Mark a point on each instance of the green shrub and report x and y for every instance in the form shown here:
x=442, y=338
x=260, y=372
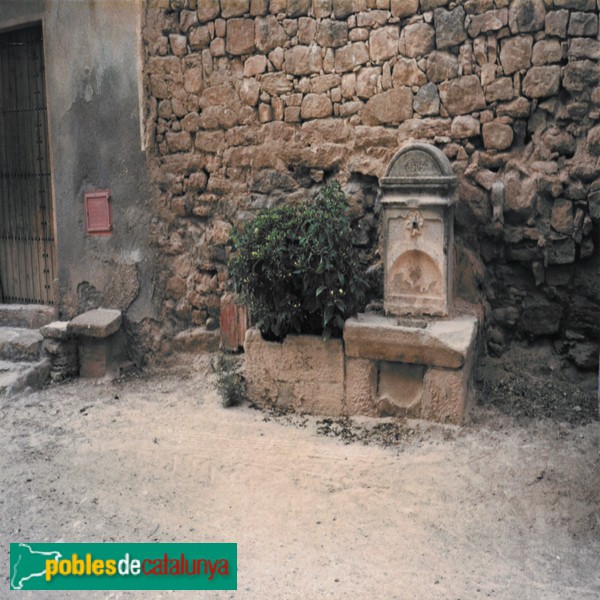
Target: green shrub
x=296, y=267
x=230, y=382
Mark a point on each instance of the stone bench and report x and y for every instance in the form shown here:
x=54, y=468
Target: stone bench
x=100, y=342
x=60, y=345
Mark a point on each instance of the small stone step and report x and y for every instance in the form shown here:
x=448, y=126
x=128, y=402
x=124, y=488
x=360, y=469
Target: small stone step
x=16, y=376
x=31, y=316
x=19, y=344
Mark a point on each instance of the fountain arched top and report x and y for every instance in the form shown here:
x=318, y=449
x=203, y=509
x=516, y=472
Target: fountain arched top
x=419, y=166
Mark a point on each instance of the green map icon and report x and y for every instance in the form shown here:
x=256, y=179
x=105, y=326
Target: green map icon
x=27, y=564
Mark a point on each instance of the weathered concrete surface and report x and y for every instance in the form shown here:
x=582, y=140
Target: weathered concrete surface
x=304, y=372
x=442, y=343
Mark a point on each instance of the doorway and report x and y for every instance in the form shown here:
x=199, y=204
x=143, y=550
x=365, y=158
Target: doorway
x=27, y=248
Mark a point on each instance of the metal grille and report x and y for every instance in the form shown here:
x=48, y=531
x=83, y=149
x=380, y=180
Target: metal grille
x=27, y=256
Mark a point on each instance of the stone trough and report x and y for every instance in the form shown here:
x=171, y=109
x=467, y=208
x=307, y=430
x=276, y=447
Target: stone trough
x=416, y=359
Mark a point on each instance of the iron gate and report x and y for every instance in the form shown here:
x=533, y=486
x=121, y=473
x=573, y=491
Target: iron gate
x=27, y=257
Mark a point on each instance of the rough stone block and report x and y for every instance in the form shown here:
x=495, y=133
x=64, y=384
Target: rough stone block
x=441, y=66
x=584, y=48
x=298, y=8
x=464, y=126
x=492, y=20
x=557, y=22
x=366, y=82
x=587, y=5
x=361, y=387
x=342, y=8
x=350, y=56
x=303, y=372
x=316, y=106
x=240, y=36
x=449, y=27
x=332, y=33
x=407, y=72
x=463, y=95
x=583, y=24
x=383, y=43
x=322, y=8
x=96, y=357
x=269, y=34
x=389, y=108
x=546, y=51
x=417, y=40
x=303, y=60
x=515, y=53
x=208, y=10
x=500, y=89
x=578, y=75
x=234, y=8
x=526, y=15
x=276, y=84
x=427, y=100
x=448, y=394
x=497, y=136
x=404, y=8
x=541, y=82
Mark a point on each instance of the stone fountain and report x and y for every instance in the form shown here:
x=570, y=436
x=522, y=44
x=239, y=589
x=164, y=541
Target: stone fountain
x=416, y=359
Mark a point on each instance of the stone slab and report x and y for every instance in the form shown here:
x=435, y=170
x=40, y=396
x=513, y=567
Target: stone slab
x=57, y=330
x=443, y=343
x=304, y=372
x=97, y=323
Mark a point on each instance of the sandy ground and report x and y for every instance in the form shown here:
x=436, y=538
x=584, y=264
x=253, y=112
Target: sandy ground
x=499, y=509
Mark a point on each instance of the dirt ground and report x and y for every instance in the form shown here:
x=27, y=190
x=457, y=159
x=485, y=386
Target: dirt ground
x=503, y=508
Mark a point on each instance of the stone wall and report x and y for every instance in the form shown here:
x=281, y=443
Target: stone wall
x=253, y=102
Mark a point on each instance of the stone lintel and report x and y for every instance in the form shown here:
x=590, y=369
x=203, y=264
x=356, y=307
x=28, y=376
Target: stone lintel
x=443, y=343
x=97, y=323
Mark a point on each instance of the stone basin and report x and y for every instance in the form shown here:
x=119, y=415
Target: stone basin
x=442, y=343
